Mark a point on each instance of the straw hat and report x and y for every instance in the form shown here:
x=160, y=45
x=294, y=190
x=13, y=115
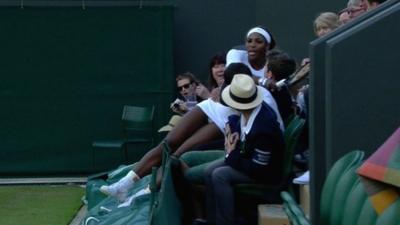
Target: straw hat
x=242, y=93
x=171, y=124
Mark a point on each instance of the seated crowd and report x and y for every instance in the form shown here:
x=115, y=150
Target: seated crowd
x=243, y=111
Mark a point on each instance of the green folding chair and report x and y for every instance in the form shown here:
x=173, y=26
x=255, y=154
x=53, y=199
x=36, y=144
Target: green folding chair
x=337, y=188
x=137, y=128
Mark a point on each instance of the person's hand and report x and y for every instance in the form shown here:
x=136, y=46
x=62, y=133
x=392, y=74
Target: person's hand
x=175, y=108
x=231, y=139
x=202, y=91
x=305, y=61
x=183, y=107
x=230, y=142
x=215, y=94
x=303, y=88
x=179, y=107
x=271, y=85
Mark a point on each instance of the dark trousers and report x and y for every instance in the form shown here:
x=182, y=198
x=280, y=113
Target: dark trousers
x=220, y=201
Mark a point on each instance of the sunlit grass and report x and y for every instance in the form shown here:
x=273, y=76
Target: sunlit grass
x=39, y=204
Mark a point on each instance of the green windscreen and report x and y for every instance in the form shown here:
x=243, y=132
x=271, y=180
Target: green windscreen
x=66, y=73
x=354, y=91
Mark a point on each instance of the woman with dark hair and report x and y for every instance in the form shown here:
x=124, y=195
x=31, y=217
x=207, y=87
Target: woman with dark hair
x=204, y=123
x=258, y=42
x=216, y=70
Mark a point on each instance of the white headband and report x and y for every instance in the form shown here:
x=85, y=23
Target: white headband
x=261, y=31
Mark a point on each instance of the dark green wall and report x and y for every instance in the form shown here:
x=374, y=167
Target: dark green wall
x=208, y=26
x=363, y=85
x=354, y=91
x=66, y=73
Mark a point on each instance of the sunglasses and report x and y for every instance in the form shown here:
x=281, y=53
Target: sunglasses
x=186, y=86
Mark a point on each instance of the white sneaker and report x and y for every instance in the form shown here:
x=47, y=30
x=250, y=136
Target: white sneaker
x=119, y=189
x=129, y=200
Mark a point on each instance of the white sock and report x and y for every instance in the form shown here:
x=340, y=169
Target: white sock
x=131, y=176
x=121, y=188
x=129, y=179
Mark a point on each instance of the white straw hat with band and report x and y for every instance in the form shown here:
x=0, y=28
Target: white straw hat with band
x=242, y=93
x=171, y=124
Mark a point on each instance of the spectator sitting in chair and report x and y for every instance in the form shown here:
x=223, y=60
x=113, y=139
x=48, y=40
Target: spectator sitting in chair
x=191, y=92
x=254, y=149
x=279, y=67
x=193, y=129
x=372, y=4
x=258, y=42
x=325, y=23
x=356, y=8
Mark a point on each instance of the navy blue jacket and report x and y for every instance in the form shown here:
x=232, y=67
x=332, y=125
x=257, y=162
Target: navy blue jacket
x=260, y=156
x=284, y=101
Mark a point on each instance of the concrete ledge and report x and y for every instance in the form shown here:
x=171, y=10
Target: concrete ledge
x=79, y=216
x=47, y=180
x=272, y=215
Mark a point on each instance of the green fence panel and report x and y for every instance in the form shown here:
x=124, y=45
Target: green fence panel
x=66, y=73
x=362, y=85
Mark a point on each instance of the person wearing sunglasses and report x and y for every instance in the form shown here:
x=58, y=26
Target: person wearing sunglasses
x=204, y=123
x=356, y=7
x=187, y=85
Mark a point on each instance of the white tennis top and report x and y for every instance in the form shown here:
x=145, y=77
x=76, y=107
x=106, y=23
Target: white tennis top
x=218, y=113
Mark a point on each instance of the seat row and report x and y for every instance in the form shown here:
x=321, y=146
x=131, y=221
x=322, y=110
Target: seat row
x=344, y=200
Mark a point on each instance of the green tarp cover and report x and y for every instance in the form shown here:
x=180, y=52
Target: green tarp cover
x=164, y=208
x=107, y=211
x=93, y=195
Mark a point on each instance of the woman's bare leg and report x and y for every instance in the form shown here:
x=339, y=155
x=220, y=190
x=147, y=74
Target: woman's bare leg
x=192, y=129
x=207, y=133
x=190, y=123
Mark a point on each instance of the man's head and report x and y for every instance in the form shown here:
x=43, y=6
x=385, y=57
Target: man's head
x=280, y=66
x=356, y=7
x=186, y=84
x=242, y=93
x=344, y=16
x=372, y=4
x=233, y=69
x=230, y=72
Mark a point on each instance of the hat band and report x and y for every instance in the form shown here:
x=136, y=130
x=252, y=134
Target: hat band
x=243, y=100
